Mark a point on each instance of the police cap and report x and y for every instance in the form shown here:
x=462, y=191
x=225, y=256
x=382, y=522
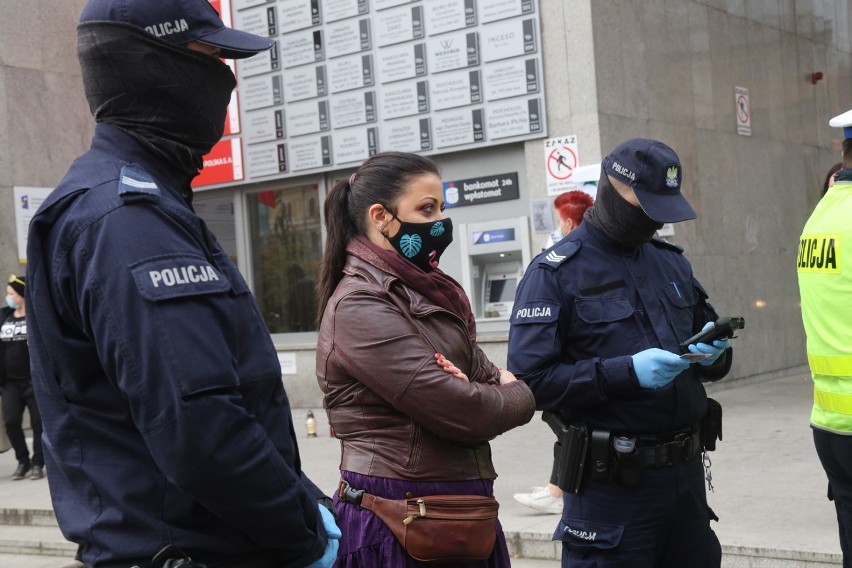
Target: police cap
x=178, y=22
x=653, y=170
x=843, y=121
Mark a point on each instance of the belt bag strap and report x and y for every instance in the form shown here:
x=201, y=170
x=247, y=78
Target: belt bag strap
x=441, y=528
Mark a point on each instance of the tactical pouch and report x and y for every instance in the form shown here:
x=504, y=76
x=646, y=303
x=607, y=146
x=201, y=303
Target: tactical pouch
x=628, y=463
x=601, y=444
x=711, y=425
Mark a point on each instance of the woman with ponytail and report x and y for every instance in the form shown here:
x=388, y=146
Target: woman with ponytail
x=409, y=393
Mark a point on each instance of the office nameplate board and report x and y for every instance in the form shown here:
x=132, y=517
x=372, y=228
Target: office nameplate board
x=264, y=125
x=309, y=153
x=412, y=134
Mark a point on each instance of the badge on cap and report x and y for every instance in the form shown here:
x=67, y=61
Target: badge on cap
x=672, y=177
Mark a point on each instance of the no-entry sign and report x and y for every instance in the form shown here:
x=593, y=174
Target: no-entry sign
x=743, y=110
x=561, y=157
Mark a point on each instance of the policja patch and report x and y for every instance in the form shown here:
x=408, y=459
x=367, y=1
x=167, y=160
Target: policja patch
x=177, y=275
x=535, y=312
x=819, y=253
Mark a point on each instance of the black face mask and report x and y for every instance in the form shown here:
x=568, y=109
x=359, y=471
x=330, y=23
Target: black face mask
x=422, y=243
x=624, y=223
x=172, y=100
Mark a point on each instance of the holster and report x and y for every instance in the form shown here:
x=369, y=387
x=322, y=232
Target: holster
x=570, y=451
x=711, y=425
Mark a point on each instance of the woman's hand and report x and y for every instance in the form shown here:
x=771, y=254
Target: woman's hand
x=450, y=368
x=507, y=377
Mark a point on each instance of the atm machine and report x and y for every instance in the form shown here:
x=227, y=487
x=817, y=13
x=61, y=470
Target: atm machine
x=494, y=257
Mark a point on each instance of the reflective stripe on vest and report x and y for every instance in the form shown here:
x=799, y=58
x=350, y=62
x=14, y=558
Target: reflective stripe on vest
x=832, y=365
x=833, y=402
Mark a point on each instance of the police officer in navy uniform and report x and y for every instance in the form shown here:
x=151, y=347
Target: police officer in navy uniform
x=166, y=425
x=595, y=330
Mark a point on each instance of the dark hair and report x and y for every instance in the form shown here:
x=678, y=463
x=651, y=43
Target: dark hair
x=572, y=205
x=381, y=179
x=847, y=152
x=834, y=169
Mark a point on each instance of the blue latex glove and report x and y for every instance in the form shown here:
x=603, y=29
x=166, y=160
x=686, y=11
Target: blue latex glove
x=656, y=368
x=334, y=535
x=715, y=350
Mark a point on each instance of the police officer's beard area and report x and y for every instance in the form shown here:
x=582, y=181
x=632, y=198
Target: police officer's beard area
x=172, y=100
x=626, y=224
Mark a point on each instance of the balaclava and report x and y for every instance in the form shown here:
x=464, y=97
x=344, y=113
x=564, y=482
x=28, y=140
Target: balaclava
x=624, y=223
x=171, y=99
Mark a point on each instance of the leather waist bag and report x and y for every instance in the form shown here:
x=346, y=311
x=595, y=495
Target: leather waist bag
x=435, y=528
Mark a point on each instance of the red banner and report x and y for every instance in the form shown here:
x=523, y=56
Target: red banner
x=224, y=164
x=224, y=9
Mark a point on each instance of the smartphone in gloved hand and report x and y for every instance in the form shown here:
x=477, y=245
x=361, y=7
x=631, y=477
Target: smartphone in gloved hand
x=722, y=328
x=695, y=357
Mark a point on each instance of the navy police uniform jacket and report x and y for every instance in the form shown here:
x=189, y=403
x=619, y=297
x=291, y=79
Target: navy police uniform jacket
x=584, y=307
x=165, y=418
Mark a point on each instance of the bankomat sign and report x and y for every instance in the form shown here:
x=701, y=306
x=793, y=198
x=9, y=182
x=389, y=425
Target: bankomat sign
x=475, y=191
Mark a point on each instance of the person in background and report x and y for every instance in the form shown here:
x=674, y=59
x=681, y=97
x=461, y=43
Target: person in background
x=167, y=429
x=595, y=331
x=829, y=177
x=408, y=391
x=825, y=286
x=16, y=385
x=570, y=208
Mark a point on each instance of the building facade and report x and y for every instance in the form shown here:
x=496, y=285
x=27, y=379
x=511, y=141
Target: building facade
x=741, y=90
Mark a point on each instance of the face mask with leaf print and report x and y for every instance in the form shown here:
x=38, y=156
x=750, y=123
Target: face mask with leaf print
x=422, y=243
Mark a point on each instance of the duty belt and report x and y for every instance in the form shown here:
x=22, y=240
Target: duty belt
x=680, y=449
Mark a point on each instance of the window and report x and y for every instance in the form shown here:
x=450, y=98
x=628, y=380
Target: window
x=284, y=233
x=218, y=214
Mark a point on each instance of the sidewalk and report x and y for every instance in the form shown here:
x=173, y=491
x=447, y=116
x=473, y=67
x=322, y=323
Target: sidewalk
x=769, y=486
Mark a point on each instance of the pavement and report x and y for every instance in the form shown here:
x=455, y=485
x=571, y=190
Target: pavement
x=770, y=490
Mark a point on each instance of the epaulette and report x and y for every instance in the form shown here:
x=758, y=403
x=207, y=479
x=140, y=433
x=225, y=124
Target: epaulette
x=559, y=253
x=135, y=184
x=666, y=244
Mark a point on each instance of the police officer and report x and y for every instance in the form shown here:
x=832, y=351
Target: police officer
x=825, y=286
x=595, y=330
x=165, y=420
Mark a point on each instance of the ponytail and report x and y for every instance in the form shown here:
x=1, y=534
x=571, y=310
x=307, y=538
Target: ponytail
x=340, y=228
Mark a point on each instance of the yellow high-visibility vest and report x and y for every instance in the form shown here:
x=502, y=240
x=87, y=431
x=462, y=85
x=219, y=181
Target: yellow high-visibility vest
x=825, y=286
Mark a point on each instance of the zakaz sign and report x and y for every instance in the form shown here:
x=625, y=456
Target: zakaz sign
x=476, y=191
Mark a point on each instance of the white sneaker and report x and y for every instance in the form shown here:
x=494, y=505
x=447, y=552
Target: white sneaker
x=541, y=500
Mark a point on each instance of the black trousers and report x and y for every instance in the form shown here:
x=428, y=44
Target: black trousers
x=664, y=522
x=18, y=395
x=835, y=453
x=262, y=560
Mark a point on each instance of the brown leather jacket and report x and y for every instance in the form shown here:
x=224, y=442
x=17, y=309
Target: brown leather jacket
x=396, y=412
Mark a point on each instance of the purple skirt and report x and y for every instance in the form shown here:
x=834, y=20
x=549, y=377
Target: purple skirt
x=368, y=543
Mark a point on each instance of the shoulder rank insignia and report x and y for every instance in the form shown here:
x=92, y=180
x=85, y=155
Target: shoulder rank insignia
x=666, y=244
x=134, y=182
x=558, y=254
